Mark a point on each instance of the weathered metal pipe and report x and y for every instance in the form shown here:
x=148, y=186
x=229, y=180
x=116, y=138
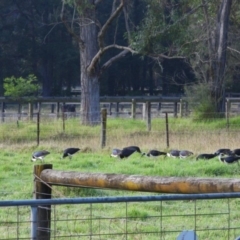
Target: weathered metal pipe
x=141, y=183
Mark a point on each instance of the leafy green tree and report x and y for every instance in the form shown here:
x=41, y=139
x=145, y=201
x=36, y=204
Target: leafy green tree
x=21, y=87
x=165, y=37
x=196, y=31
x=91, y=32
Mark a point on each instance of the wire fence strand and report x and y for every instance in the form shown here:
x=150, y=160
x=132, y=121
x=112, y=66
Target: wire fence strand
x=142, y=219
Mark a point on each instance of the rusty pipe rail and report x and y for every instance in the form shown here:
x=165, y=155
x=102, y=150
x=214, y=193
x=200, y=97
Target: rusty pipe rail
x=182, y=185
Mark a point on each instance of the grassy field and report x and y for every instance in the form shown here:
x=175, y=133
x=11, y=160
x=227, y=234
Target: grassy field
x=18, y=141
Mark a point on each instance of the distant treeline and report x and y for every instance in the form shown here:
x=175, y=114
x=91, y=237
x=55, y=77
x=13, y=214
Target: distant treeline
x=35, y=41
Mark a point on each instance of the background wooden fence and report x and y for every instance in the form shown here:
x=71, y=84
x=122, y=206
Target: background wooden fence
x=133, y=107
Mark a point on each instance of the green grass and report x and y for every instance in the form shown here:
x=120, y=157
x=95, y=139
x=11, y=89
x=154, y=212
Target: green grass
x=17, y=143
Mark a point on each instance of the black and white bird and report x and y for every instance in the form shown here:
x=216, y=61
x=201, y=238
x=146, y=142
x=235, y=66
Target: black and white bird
x=236, y=151
x=154, y=153
x=185, y=154
x=126, y=152
x=228, y=159
x=69, y=152
x=223, y=150
x=137, y=149
x=206, y=156
x=115, y=152
x=39, y=155
x=173, y=153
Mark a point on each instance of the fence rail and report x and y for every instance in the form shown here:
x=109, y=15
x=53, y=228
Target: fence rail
x=199, y=215
x=133, y=106
x=45, y=178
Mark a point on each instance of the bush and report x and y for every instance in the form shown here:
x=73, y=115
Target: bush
x=200, y=102
x=20, y=87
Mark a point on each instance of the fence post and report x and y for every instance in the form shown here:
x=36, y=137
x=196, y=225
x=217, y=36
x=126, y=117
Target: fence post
x=175, y=109
x=103, y=127
x=167, y=130
x=228, y=111
x=58, y=109
x=148, y=110
x=52, y=108
x=63, y=116
x=38, y=128
x=181, y=108
x=39, y=106
x=110, y=108
x=2, y=111
x=133, y=109
x=42, y=191
x=33, y=223
x=144, y=111
x=19, y=110
x=30, y=111
x=117, y=109
x=186, y=109
x=159, y=106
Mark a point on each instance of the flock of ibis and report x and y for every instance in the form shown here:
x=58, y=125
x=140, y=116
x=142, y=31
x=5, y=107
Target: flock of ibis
x=40, y=155
x=224, y=155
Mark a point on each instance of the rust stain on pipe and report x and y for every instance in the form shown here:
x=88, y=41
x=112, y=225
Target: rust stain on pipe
x=141, y=183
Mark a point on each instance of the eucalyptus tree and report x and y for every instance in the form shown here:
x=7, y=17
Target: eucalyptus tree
x=164, y=37
x=233, y=50
x=210, y=55
x=197, y=31
x=89, y=31
x=217, y=51
x=169, y=31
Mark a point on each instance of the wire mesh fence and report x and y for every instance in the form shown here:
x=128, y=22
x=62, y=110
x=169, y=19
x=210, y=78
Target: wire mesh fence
x=164, y=217
x=64, y=122
x=178, y=135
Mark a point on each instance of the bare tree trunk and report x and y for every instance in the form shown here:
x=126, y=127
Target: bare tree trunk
x=219, y=56
x=90, y=106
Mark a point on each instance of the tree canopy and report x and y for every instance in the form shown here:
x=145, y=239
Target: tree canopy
x=160, y=46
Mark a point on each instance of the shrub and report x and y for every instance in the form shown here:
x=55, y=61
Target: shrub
x=200, y=102
x=20, y=87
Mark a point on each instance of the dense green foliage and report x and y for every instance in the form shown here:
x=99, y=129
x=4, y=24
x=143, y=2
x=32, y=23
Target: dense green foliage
x=199, y=99
x=21, y=87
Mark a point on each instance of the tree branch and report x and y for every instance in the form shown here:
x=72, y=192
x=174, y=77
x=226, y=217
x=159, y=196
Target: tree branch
x=182, y=18
x=210, y=43
x=97, y=2
x=233, y=50
x=157, y=56
x=104, y=28
x=112, y=60
x=69, y=29
x=96, y=58
x=126, y=22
